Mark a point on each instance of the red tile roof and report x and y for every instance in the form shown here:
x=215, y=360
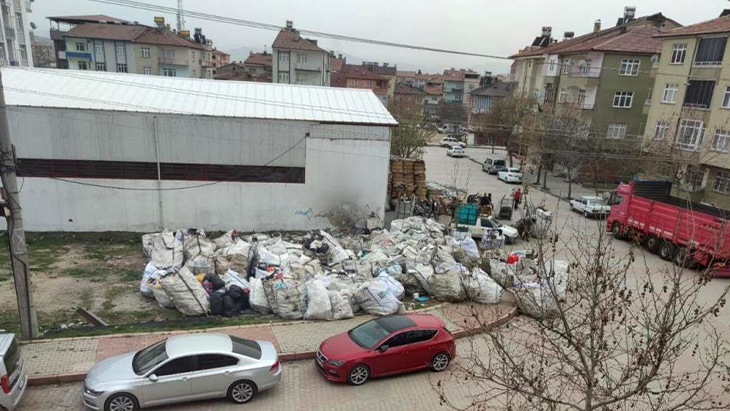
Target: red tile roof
x=91, y=18
x=406, y=74
x=637, y=40
x=336, y=64
x=352, y=71
x=714, y=26
x=406, y=89
x=106, y=31
x=288, y=39
x=260, y=59
x=165, y=38
x=434, y=90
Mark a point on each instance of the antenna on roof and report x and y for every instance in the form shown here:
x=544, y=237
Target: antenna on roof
x=180, y=16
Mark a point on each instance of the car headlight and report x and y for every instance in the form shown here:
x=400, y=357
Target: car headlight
x=92, y=392
x=336, y=363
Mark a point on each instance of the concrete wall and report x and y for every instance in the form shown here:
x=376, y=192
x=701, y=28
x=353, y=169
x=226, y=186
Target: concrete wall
x=346, y=170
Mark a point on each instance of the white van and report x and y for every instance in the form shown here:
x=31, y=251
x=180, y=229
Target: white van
x=13, y=378
x=494, y=165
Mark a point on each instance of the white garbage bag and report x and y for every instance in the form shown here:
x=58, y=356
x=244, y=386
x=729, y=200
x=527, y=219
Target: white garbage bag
x=158, y=291
x=341, y=302
x=319, y=306
x=375, y=298
x=257, y=297
x=186, y=293
x=149, y=273
x=286, y=297
x=235, y=256
x=535, y=300
x=446, y=283
x=198, y=244
x=468, y=245
x=480, y=288
x=374, y=257
x=200, y=265
x=148, y=241
x=393, y=285
x=167, y=251
x=556, y=274
x=233, y=278
x=269, y=258
x=226, y=239
x=422, y=273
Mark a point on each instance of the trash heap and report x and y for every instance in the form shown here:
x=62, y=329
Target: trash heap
x=318, y=276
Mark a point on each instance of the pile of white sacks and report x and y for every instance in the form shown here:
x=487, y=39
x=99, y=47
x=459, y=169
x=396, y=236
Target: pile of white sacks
x=317, y=276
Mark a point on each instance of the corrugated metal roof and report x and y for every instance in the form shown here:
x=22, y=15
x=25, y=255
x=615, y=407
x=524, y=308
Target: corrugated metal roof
x=157, y=94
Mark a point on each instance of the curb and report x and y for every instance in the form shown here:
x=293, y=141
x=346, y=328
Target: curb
x=285, y=357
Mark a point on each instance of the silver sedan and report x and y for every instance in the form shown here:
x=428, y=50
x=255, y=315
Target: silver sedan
x=183, y=368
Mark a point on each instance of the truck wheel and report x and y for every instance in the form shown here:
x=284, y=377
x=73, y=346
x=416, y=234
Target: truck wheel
x=653, y=243
x=616, y=230
x=684, y=259
x=667, y=251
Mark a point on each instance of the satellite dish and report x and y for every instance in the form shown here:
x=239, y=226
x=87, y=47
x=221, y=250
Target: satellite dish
x=33, y=26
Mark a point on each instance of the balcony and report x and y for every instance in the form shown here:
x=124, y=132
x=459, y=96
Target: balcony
x=166, y=60
x=9, y=33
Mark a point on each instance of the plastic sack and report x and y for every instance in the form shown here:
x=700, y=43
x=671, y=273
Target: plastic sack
x=556, y=274
x=233, y=278
x=286, y=297
x=257, y=297
x=148, y=241
x=200, y=265
x=469, y=246
x=160, y=295
x=198, y=244
x=446, y=283
x=167, y=251
x=318, y=301
x=226, y=239
x=375, y=298
x=535, y=301
x=480, y=288
x=186, y=293
x=269, y=258
x=149, y=273
x=422, y=273
x=235, y=256
x=393, y=285
x=341, y=302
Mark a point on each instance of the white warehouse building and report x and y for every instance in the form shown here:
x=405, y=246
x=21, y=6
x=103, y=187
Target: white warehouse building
x=120, y=152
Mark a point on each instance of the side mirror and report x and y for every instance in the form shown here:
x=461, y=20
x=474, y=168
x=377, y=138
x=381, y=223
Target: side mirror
x=382, y=348
x=153, y=377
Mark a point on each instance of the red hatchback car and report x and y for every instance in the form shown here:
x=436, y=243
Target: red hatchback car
x=386, y=346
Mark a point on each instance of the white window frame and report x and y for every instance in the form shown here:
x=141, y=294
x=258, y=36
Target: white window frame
x=82, y=46
x=100, y=66
x=623, y=99
x=661, y=130
x=146, y=52
x=283, y=58
x=301, y=58
x=721, y=141
x=564, y=96
x=629, y=67
x=722, y=182
x=85, y=65
x=690, y=134
x=567, y=66
x=726, y=98
x=670, y=93
x=147, y=70
x=120, y=50
x=283, y=77
x=616, y=130
x=169, y=72
x=301, y=79
x=122, y=68
x=679, y=53
x=99, y=49
x=693, y=184
x=585, y=68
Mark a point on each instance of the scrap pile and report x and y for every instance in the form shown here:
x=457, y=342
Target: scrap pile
x=317, y=276
x=407, y=178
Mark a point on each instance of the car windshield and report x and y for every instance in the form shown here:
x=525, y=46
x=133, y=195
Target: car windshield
x=11, y=357
x=249, y=348
x=368, y=334
x=495, y=222
x=149, y=358
x=599, y=202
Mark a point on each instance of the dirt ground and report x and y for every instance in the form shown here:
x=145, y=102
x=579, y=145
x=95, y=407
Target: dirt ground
x=97, y=271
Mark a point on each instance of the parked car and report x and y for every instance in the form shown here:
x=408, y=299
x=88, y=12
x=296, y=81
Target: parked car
x=451, y=141
x=494, y=165
x=183, y=368
x=590, y=206
x=386, y=346
x=510, y=175
x=486, y=223
x=446, y=128
x=13, y=377
x=456, y=151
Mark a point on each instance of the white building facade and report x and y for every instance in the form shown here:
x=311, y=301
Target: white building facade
x=15, y=48
x=150, y=152
x=298, y=60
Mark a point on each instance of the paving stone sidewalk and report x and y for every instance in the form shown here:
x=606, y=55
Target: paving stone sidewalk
x=69, y=359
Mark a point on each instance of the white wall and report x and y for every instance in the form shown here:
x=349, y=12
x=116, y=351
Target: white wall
x=346, y=167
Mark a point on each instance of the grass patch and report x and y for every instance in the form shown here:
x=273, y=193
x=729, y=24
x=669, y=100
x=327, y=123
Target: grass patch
x=80, y=272
x=130, y=275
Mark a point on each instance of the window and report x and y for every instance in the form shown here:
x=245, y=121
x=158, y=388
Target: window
x=629, y=67
x=616, y=130
x=585, y=67
x=301, y=58
x=694, y=178
x=649, y=94
x=661, y=130
x=581, y=97
x=678, y=52
x=82, y=47
x=100, y=66
x=2, y=52
x=398, y=340
x=670, y=93
x=122, y=68
x=549, y=92
x=146, y=52
x=726, y=98
x=249, y=348
x=711, y=51
x=283, y=58
x=178, y=366
x=690, y=134
x=567, y=65
x=564, y=96
x=421, y=335
x=368, y=83
x=699, y=94
x=722, y=182
x=623, y=99
x=121, y=50
x=83, y=65
x=148, y=358
x=301, y=79
x=23, y=54
x=169, y=72
x=212, y=361
x=99, y=49
x=168, y=54
x=284, y=77
x=721, y=140
x=147, y=70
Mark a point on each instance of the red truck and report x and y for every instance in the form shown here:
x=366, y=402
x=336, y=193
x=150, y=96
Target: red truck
x=687, y=233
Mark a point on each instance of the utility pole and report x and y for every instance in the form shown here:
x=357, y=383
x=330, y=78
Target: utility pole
x=16, y=233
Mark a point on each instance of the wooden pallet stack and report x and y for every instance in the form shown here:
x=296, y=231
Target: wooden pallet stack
x=407, y=177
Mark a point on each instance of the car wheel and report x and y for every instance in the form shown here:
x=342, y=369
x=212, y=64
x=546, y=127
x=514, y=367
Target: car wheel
x=440, y=362
x=616, y=230
x=572, y=208
x=507, y=240
x=683, y=259
x=358, y=375
x=121, y=402
x=242, y=391
x=586, y=214
x=667, y=250
x=653, y=243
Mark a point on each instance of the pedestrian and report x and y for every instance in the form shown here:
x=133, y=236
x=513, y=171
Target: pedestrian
x=489, y=199
x=434, y=210
x=517, y=198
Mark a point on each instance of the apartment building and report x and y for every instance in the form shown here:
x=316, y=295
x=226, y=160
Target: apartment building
x=298, y=60
x=483, y=98
x=259, y=63
x=135, y=49
x=354, y=76
x=387, y=71
x=15, y=47
x=405, y=94
x=434, y=90
x=60, y=25
x=454, y=86
x=689, y=113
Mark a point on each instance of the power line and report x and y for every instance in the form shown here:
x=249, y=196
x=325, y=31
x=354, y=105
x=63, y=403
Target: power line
x=274, y=27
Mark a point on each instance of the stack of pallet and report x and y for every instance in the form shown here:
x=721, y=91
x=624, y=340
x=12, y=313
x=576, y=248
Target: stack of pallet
x=407, y=177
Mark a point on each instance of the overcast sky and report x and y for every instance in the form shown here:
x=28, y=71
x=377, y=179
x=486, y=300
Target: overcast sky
x=481, y=26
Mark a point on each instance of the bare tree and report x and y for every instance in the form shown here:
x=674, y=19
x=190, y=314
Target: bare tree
x=452, y=113
x=409, y=139
x=613, y=334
